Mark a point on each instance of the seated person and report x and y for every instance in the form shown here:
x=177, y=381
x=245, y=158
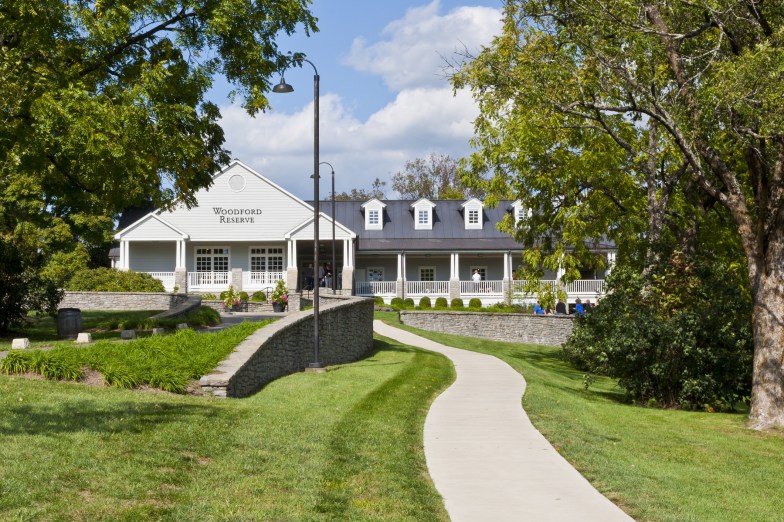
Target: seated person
x=538, y=309
x=578, y=307
x=560, y=308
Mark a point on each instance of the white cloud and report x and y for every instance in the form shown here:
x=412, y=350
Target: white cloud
x=423, y=117
x=414, y=48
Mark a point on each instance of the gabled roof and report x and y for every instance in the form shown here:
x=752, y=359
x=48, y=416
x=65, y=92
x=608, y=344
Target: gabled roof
x=420, y=201
x=472, y=201
x=146, y=219
x=322, y=217
x=374, y=201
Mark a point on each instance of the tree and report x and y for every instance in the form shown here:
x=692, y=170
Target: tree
x=103, y=104
x=103, y=107
x=434, y=177
x=377, y=191
x=600, y=111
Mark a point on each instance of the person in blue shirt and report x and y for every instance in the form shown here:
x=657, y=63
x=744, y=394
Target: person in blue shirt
x=578, y=307
x=538, y=309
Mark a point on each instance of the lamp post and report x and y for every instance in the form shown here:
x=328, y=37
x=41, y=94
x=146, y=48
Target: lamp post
x=334, y=268
x=284, y=87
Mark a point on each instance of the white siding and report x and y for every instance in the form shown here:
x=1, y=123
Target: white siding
x=153, y=256
x=279, y=211
x=152, y=229
x=325, y=231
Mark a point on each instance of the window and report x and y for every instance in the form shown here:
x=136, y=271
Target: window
x=266, y=259
x=423, y=217
x=472, y=214
x=375, y=273
x=374, y=214
x=427, y=273
x=422, y=211
x=212, y=259
x=473, y=217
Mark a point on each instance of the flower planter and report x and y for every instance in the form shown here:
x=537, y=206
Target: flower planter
x=278, y=307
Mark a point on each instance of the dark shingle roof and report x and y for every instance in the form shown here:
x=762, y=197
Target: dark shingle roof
x=448, y=232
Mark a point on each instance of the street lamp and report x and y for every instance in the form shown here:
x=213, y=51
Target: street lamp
x=334, y=268
x=284, y=87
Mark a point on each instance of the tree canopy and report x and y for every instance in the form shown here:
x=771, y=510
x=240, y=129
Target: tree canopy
x=104, y=104
x=636, y=120
x=434, y=177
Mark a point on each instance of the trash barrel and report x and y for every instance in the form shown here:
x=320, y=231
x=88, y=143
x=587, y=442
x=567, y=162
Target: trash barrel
x=69, y=323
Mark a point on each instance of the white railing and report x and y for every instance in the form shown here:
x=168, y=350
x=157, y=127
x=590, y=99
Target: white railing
x=586, y=286
x=427, y=287
x=209, y=279
x=259, y=280
x=482, y=287
x=376, y=288
x=167, y=278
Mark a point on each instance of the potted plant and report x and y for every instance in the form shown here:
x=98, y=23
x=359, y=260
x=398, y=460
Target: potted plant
x=232, y=300
x=280, y=296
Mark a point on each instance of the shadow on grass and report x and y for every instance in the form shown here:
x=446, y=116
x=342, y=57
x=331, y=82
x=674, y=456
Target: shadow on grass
x=379, y=345
x=84, y=415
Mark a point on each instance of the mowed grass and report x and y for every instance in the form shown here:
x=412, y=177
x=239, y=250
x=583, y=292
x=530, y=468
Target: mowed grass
x=345, y=445
x=659, y=465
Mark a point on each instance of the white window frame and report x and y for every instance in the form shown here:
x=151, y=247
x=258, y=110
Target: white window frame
x=423, y=214
x=266, y=254
x=376, y=207
x=433, y=268
x=212, y=255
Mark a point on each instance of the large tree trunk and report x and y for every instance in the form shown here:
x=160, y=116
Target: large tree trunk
x=767, y=394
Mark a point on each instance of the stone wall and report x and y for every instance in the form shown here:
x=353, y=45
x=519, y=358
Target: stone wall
x=552, y=330
x=286, y=346
x=192, y=304
x=121, y=300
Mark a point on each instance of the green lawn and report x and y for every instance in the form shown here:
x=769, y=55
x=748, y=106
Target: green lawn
x=660, y=465
x=345, y=445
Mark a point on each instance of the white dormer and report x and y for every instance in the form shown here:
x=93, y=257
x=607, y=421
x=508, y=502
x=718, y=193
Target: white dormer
x=374, y=214
x=472, y=214
x=519, y=211
x=423, y=214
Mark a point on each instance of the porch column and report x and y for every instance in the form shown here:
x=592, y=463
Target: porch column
x=400, y=285
x=610, y=263
x=347, y=277
x=125, y=261
x=454, y=276
x=292, y=274
x=506, y=283
x=180, y=270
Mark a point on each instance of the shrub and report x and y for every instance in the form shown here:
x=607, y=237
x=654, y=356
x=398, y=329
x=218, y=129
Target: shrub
x=475, y=302
x=259, y=297
x=441, y=303
x=378, y=300
x=424, y=302
x=209, y=296
x=223, y=295
x=409, y=303
x=397, y=303
x=113, y=280
x=679, y=339
x=457, y=303
x=243, y=296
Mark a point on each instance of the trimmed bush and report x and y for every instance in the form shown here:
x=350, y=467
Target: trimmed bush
x=397, y=303
x=209, y=296
x=441, y=303
x=475, y=302
x=457, y=303
x=113, y=280
x=244, y=296
x=378, y=300
x=259, y=297
x=409, y=303
x=424, y=302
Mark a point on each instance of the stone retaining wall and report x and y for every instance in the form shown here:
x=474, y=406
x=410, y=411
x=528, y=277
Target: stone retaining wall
x=552, y=330
x=121, y=300
x=286, y=346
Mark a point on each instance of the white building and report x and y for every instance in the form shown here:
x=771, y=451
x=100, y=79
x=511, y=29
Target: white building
x=248, y=232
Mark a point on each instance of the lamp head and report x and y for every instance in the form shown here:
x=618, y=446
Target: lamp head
x=283, y=87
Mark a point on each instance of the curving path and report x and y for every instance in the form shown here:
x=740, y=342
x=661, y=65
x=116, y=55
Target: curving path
x=486, y=459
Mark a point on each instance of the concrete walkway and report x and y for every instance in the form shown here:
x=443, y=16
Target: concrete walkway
x=486, y=459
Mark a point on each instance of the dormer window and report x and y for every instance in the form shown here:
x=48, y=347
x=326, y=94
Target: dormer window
x=374, y=214
x=423, y=214
x=472, y=212
x=519, y=211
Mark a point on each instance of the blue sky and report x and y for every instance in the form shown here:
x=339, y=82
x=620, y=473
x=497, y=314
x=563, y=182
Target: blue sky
x=384, y=99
